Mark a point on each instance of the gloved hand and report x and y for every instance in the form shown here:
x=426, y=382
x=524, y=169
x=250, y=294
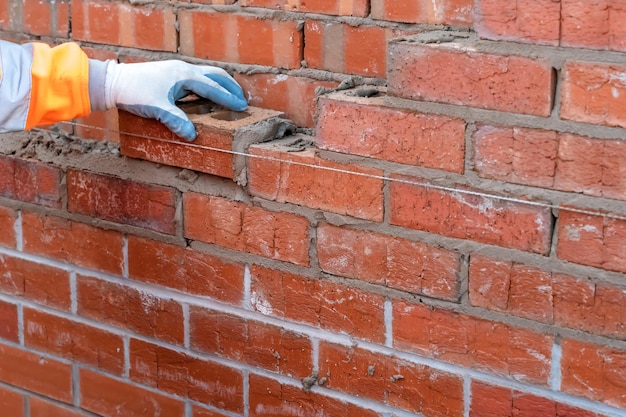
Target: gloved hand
x=150, y=90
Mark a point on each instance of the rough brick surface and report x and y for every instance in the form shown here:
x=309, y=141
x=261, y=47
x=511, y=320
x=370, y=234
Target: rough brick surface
x=594, y=372
x=276, y=172
x=594, y=24
x=46, y=19
x=474, y=217
x=210, y=35
x=390, y=261
x=594, y=93
x=551, y=159
x=9, y=329
x=476, y=343
x=532, y=21
x=74, y=341
x=237, y=226
x=139, y=311
x=54, y=237
x=494, y=401
x=358, y=8
x=294, y=96
x=453, y=12
x=372, y=128
x=457, y=72
x=269, y=397
x=322, y=304
x=375, y=376
x=36, y=373
x=110, y=397
x=185, y=270
x=30, y=181
x=42, y=408
x=40, y=283
x=541, y=295
x=177, y=373
x=255, y=343
x=123, y=24
x=11, y=402
x=122, y=201
x=7, y=225
x=220, y=132
x=592, y=240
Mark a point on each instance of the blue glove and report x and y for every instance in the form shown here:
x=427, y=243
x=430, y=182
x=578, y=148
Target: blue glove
x=150, y=89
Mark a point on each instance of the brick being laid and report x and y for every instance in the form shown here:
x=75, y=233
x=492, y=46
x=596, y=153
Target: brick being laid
x=220, y=134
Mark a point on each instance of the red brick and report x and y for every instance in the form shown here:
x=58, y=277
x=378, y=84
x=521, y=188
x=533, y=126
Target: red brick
x=453, y=12
x=139, y=311
x=390, y=261
x=7, y=225
x=36, y=373
x=270, y=398
x=594, y=372
x=11, y=403
x=146, y=27
x=519, y=155
x=254, y=343
x=370, y=127
x=72, y=242
x=511, y=287
x=494, y=401
x=99, y=125
x=528, y=21
x=235, y=225
x=5, y=21
x=32, y=182
x=594, y=93
x=242, y=39
x=306, y=179
x=473, y=217
x=375, y=376
x=74, y=341
x=591, y=240
x=320, y=303
x=538, y=294
x=42, y=408
x=596, y=308
x=598, y=24
x=201, y=412
x=9, y=322
x=458, y=72
x=359, y=8
x=110, y=397
x=40, y=283
x=550, y=159
x=211, y=152
x=340, y=47
x=295, y=96
x=184, y=269
x=590, y=166
x=472, y=342
x=179, y=374
x=46, y=18
x=122, y=201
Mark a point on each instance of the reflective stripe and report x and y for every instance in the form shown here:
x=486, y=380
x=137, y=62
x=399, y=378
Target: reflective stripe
x=15, y=85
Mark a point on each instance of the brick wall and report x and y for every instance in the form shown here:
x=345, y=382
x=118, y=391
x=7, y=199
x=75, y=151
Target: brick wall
x=443, y=233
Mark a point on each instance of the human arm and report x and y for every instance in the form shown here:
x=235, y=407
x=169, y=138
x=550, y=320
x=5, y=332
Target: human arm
x=42, y=85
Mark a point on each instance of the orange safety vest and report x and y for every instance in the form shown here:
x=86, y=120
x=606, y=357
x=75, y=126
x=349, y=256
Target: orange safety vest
x=40, y=85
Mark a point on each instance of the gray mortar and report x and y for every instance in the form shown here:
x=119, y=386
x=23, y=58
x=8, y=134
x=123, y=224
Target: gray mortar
x=263, y=131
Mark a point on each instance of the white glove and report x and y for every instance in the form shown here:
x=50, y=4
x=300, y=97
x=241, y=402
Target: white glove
x=150, y=90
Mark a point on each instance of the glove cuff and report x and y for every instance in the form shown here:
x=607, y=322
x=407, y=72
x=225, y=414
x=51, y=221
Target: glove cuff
x=111, y=76
x=97, y=76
